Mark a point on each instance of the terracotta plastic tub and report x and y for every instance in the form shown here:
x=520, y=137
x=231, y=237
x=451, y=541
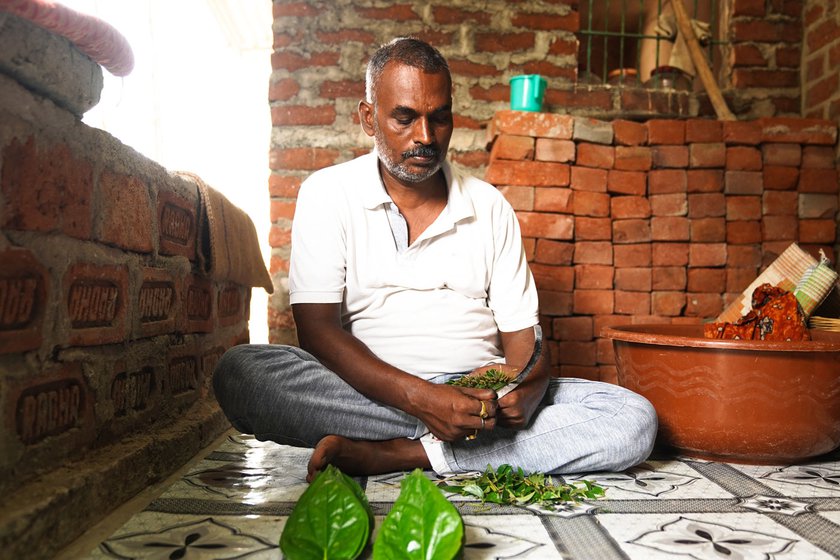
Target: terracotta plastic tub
x=740, y=401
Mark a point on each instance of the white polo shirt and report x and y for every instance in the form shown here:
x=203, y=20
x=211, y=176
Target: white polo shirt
x=438, y=305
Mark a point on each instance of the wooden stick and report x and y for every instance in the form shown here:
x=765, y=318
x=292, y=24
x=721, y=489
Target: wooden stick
x=700, y=63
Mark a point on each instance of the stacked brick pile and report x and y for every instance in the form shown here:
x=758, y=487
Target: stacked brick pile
x=108, y=332
x=662, y=221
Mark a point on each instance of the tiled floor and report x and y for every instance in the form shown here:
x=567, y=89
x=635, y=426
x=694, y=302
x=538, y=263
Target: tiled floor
x=234, y=502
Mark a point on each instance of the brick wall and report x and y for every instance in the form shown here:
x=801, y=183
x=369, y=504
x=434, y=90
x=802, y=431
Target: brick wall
x=320, y=49
x=821, y=60
x=662, y=221
x=108, y=333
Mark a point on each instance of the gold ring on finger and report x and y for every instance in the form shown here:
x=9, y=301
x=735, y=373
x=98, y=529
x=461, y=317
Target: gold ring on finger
x=482, y=423
x=472, y=436
x=483, y=413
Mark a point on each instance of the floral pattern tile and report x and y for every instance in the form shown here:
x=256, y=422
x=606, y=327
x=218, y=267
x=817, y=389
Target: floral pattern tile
x=234, y=504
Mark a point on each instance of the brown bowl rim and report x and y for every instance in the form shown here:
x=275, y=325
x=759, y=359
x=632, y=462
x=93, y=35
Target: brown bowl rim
x=666, y=334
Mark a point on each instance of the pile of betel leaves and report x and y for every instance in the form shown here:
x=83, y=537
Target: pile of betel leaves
x=333, y=519
x=490, y=379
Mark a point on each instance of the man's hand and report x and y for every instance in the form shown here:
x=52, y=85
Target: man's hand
x=452, y=413
x=517, y=407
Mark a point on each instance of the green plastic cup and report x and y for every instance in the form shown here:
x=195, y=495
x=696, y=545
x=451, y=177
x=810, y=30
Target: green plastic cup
x=526, y=92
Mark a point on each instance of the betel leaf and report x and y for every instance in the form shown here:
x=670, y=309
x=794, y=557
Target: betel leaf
x=490, y=379
x=332, y=520
x=422, y=524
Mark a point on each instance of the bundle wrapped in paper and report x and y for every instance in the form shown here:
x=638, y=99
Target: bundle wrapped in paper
x=796, y=271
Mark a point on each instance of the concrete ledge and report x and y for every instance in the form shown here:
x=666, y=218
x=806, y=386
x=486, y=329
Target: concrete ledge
x=49, y=65
x=45, y=515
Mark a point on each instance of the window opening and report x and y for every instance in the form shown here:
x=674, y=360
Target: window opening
x=636, y=43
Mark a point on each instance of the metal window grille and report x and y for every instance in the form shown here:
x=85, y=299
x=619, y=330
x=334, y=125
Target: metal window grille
x=625, y=42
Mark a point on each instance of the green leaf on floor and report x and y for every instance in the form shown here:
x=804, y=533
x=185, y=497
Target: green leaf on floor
x=332, y=520
x=422, y=524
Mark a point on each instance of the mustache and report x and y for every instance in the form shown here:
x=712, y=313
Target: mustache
x=422, y=151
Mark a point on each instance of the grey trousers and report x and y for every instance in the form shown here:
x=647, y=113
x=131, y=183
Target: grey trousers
x=283, y=394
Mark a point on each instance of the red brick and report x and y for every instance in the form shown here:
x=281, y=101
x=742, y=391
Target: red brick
x=593, y=252
x=669, y=228
x=572, y=328
x=336, y=89
x=746, y=55
x=703, y=130
x=706, y=305
x=199, y=304
x=304, y=159
x=818, y=157
x=674, y=204
x=561, y=46
x=633, y=279
x=811, y=205
x=125, y=212
x=663, y=181
x=739, y=278
x=472, y=158
x=744, y=256
x=669, y=254
x=551, y=149
x=283, y=89
x=550, y=226
x=594, y=277
x=743, y=208
x=629, y=207
x=704, y=205
x=816, y=180
x=595, y=155
x=588, y=179
x=508, y=146
x=578, y=353
x=521, y=198
x=704, y=181
x=504, y=42
x=24, y=285
x=632, y=303
x=798, y=130
x=547, y=22
x=177, y=224
x=593, y=204
x=779, y=228
x=553, y=199
x=554, y=252
x=460, y=66
x=95, y=304
x=528, y=123
x=763, y=78
x=633, y=158
x=662, y=131
x=495, y=92
x=283, y=185
x=627, y=182
x=818, y=231
x=287, y=60
x=740, y=233
x=593, y=229
x=822, y=90
x=707, y=155
x=670, y=156
x=744, y=182
x=281, y=209
x=767, y=31
x=668, y=278
x=743, y=158
x=633, y=255
x=155, y=304
x=532, y=173
x=449, y=14
x=782, y=154
x=741, y=132
x=708, y=230
x=706, y=254
x=631, y=231
x=46, y=189
x=346, y=36
x=668, y=304
x=295, y=115
x=558, y=279
x=778, y=178
x=593, y=302
x=748, y=8
x=396, y=12
x=779, y=203
x=276, y=264
x=629, y=133
x=280, y=236
x=283, y=40
x=706, y=280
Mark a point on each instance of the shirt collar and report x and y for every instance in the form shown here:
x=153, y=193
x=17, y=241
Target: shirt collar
x=458, y=204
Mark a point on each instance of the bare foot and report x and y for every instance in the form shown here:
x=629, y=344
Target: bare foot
x=356, y=457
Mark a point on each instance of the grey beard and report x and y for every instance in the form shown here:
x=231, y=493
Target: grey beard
x=398, y=170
